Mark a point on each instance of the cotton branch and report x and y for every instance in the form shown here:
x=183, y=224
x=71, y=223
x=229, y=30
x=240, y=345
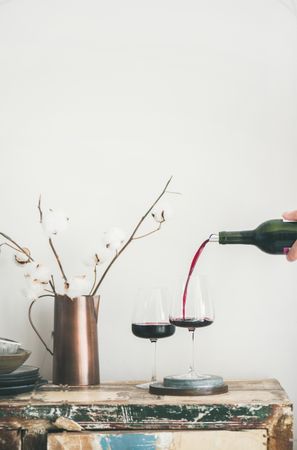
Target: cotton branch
x=150, y=232
x=53, y=248
x=32, y=324
x=52, y=284
x=40, y=210
x=95, y=279
x=58, y=260
x=131, y=237
x=19, y=248
x=10, y=246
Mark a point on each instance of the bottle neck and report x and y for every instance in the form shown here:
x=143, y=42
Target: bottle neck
x=213, y=238
x=237, y=237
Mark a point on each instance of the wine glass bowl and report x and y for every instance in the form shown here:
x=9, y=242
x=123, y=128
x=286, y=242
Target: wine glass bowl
x=150, y=320
x=153, y=331
x=192, y=309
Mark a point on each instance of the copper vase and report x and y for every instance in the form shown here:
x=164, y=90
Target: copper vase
x=75, y=355
x=75, y=358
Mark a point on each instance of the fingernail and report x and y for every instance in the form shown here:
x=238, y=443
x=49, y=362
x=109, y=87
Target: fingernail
x=286, y=250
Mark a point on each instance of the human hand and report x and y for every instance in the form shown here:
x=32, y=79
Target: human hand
x=292, y=253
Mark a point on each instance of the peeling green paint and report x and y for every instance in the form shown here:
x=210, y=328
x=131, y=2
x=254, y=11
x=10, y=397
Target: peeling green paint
x=195, y=416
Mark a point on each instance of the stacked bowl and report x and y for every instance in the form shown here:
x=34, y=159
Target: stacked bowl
x=15, y=377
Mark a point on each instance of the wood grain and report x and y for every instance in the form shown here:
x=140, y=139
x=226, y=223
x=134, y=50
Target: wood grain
x=261, y=406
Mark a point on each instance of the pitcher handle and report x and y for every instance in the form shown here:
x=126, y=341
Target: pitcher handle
x=33, y=326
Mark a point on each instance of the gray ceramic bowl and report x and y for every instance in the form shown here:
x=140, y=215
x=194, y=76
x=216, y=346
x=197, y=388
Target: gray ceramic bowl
x=11, y=361
x=8, y=346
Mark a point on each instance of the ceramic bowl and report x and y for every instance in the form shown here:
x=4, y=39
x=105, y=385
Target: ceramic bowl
x=8, y=346
x=11, y=361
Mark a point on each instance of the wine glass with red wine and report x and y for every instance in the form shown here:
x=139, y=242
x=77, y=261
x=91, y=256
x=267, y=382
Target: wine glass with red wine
x=150, y=321
x=193, y=309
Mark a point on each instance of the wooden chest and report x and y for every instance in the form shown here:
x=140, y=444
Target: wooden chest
x=253, y=415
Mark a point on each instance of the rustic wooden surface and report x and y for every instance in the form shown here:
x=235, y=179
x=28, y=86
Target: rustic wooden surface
x=10, y=439
x=249, y=405
x=176, y=440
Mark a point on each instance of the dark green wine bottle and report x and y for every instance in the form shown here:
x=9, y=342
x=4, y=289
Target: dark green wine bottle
x=274, y=236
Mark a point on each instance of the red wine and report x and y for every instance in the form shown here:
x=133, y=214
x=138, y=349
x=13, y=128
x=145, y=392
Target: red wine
x=190, y=322
x=153, y=330
x=192, y=267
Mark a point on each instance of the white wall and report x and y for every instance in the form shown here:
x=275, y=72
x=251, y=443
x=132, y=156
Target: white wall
x=100, y=102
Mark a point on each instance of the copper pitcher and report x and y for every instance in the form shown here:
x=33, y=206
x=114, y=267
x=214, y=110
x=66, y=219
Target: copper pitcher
x=75, y=355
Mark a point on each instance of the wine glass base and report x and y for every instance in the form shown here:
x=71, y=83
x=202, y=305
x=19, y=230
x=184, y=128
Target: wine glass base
x=144, y=385
x=190, y=376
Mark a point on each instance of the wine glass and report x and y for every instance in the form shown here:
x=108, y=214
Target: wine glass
x=193, y=309
x=150, y=321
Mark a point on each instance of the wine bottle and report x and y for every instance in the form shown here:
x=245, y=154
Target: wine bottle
x=273, y=236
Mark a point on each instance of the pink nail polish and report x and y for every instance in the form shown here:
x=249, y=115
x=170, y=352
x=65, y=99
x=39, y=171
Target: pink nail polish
x=286, y=250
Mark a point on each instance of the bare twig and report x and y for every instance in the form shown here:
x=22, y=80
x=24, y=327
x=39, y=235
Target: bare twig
x=52, y=284
x=21, y=250
x=173, y=192
x=33, y=326
x=40, y=210
x=151, y=232
x=130, y=238
x=58, y=259
x=53, y=249
x=53, y=287
x=95, y=279
x=17, y=245
x=11, y=246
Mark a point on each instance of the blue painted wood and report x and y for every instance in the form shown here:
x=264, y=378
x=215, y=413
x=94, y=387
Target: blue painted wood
x=129, y=441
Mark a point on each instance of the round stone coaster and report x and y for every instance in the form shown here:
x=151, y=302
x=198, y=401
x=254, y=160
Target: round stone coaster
x=160, y=389
x=190, y=382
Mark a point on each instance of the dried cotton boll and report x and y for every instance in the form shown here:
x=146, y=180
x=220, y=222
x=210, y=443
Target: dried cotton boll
x=95, y=259
x=33, y=290
x=39, y=273
x=22, y=258
x=162, y=212
x=102, y=255
x=90, y=260
x=77, y=286
x=54, y=222
x=114, y=238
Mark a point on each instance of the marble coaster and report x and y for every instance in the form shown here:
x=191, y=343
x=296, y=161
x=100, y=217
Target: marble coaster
x=160, y=389
x=184, y=381
x=187, y=385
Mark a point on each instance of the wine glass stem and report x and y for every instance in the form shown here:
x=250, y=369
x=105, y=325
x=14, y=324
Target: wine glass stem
x=154, y=372
x=192, y=364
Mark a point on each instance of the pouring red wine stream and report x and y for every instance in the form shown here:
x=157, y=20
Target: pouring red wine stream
x=192, y=267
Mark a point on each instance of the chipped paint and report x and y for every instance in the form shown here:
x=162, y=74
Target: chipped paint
x=254, y=405
x=165, y=441
x=206, y=440
x=129, y=441
x=135, y=415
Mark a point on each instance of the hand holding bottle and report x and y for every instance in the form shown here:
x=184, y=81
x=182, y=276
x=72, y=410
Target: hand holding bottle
x=292, y=254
